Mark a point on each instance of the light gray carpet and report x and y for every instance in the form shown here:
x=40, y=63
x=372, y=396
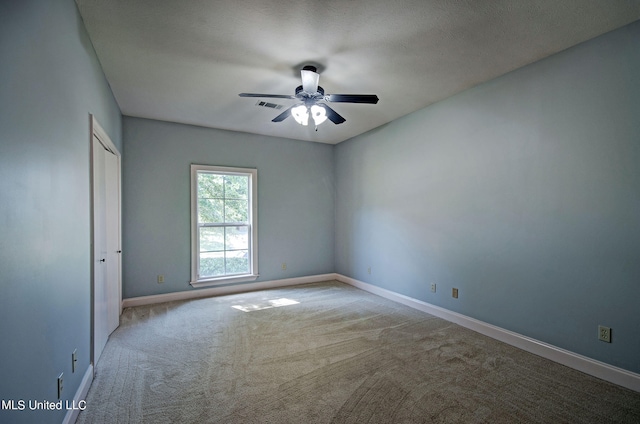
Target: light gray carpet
x=340, y=355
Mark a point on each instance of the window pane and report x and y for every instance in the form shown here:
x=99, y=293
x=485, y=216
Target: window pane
x=236, y=211
x=211, y=264
x=210, y=185
x=222, y=222
x=237, y=238
x=211, y=239
x=237, y=262
x=210, y=210
x=236, y=187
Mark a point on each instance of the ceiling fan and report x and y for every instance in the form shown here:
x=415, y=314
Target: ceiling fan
x=312, y=98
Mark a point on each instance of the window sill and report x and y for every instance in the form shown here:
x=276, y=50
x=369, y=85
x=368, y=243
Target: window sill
x=224, y=280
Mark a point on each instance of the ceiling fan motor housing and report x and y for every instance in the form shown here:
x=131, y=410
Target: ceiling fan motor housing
x=301, y=95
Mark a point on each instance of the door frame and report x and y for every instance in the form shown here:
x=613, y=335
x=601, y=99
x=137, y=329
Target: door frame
x=98, y=132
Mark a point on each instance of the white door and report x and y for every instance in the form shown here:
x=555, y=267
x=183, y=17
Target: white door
x=113, y=287
x=100, y=331
x=106, y=291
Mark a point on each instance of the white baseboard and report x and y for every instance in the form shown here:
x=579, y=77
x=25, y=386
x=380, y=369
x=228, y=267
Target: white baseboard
x=573, y=360
x=218, y=291
x=81, y=395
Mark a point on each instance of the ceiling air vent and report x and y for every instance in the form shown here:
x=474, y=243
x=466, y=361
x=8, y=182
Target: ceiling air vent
x=269, y=105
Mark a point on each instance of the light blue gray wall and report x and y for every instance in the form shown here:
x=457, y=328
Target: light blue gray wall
x=523, y=192
x=50, y=80
x=295, y=201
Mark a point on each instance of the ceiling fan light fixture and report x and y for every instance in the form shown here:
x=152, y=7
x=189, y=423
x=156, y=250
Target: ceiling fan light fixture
x=308, y=95
x=319, y=114
x=300, y=114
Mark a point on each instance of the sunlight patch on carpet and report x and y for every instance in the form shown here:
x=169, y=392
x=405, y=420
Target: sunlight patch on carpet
x=273, y=303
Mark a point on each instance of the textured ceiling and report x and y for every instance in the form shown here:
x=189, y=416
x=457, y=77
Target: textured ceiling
x=186, y=60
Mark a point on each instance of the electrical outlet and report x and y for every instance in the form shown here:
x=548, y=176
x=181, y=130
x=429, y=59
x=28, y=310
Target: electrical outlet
x=433, y=287
x=454, y=293
x=160, y=279
x=74, y=360
x=284, y=266
x=604, y=333
x=369, y=270
x=60, y=386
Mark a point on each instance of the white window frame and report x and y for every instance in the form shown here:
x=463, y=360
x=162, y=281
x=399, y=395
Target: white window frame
x=253, y=220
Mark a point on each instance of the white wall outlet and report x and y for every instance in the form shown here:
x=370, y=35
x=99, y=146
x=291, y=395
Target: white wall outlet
x=284, y=266
x=60, y=386
x=369, y=270
x=433, y=287
x=160, y=279
x=604, y=333
x=74, y=360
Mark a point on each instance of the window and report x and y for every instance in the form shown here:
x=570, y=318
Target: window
x=224, y=245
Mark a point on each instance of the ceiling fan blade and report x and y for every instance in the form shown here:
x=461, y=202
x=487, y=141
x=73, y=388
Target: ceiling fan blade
x=332, y=115
x=353, y=98
x=272, y=96
x=310, y=81
x=284, y=115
